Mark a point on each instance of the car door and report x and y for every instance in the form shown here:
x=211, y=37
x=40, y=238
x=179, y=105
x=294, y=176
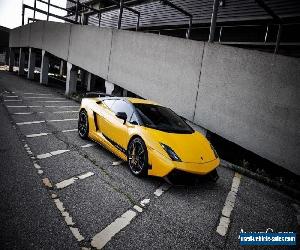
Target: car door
x=114, y=128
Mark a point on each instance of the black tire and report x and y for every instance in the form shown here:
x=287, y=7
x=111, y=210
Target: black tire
x=83, y=124
x=213, y=175
x=137, y=156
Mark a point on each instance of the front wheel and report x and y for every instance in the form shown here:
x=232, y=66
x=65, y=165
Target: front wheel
x=137, y=157
x=213, y=175
x=83, y=124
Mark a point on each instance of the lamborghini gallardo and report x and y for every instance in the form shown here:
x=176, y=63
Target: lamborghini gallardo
x=153, y=139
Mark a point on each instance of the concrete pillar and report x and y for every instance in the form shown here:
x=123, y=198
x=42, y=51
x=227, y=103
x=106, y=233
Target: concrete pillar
x=83, y=73
x=125, y=92
x=213, y=21
x=71, y=81
x=62, y=68
x=31, y=64
x=90, y=81
x=44, y=68
x=11, y=62
x=110, y=87
x=21, y=61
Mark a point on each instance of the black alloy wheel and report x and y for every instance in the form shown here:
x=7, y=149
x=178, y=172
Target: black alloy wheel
x=137, y=157
x=83, y=124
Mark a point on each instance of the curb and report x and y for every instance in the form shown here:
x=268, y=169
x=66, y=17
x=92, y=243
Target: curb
x=294, y=193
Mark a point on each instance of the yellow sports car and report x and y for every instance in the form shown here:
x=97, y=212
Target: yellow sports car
x=151, y=138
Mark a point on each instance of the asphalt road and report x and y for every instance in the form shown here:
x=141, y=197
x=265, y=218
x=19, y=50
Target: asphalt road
x=61, y=192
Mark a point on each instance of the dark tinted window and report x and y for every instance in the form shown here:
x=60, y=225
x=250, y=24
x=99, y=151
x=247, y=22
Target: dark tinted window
x=162, y=118
x=121, y=106
x=109, y=102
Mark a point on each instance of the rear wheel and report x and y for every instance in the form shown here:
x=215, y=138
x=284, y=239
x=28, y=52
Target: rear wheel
x=137, y=157
x=83, y=124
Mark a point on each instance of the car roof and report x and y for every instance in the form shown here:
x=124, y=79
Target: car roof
x=139, y=100
x=130, y=99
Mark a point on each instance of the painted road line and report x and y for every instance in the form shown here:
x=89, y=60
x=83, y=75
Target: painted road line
x=60, y=206
x=68, y=182
x=76, y=233
x=103, y=237
x=36, y=122
x=39, y=106
x=24, y=106
x=163, y=188
x=229, y=205
x=117, y=163
x=53, y=101
x=37, y=135
x=36, y=94
x=58, y=106
x=23, y=113
x=65, y=111
x=11, y=96
x=50, y=154
x=28, y=123
x=69, y=130
x=44, y=97
x=47, y=183
x=63, y=120
x=17, y=100
x=88, y=145
x=44, y=134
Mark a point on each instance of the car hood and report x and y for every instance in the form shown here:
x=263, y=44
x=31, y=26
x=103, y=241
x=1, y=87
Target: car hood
x=192, y=148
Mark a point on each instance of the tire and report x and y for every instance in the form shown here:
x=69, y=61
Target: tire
x=83, y=124
x=137, y=156
x=214, y=176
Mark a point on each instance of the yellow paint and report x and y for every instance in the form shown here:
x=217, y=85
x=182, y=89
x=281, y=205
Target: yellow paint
x=193, y=149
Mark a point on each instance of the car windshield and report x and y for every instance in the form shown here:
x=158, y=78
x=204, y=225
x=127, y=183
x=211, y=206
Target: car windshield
x=161, y=118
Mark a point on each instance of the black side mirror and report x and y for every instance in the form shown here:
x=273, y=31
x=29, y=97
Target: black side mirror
x=122, y=115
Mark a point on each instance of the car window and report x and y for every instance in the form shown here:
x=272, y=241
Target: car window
x=162, y=118
x=109, y=102
x=122, y=106
x=134, y=119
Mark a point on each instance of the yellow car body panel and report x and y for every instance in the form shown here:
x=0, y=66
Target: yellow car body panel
x=194, y=150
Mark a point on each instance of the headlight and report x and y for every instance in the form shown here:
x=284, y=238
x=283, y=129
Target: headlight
x=170, y=152
x=215, y=152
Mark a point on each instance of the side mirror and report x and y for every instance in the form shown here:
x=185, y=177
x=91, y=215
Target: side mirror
x=122, y=116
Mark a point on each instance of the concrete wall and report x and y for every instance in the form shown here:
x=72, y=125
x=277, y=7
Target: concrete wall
x=248, y=97
x=161, y=68
x=253, y=99
x=56, y=39
x=14, y=37
x=90, y=48
x=36, y=35
x=25, y=35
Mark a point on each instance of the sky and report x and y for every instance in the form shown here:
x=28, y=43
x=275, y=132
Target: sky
x=11, y=11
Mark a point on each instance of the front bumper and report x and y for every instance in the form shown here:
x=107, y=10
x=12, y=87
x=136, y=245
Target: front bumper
x=162, y=166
